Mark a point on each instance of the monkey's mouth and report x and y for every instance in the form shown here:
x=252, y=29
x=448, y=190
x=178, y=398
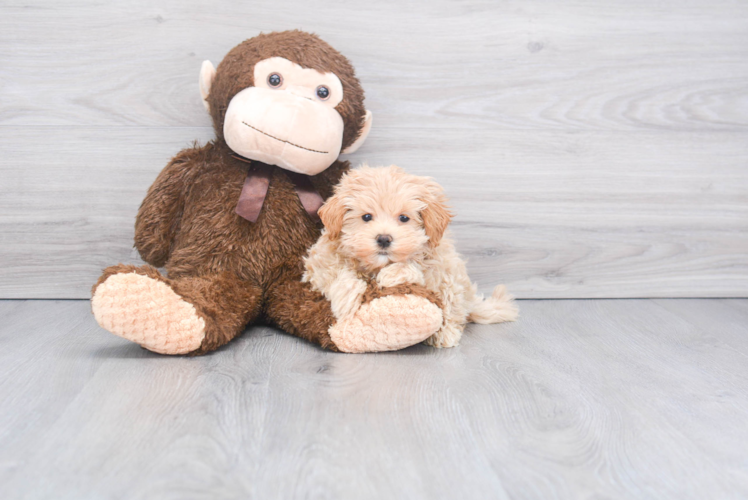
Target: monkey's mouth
x=281, y=140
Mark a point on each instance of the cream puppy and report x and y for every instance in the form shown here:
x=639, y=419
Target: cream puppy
x=386, y=225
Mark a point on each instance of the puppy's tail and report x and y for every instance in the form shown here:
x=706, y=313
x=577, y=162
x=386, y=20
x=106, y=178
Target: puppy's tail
x=497, y=308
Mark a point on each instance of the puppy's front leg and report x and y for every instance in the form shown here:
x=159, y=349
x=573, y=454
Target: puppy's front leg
x=345, y=293
x=399, y=273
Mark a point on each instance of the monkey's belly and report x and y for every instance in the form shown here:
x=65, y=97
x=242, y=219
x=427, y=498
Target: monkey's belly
x=241, y=247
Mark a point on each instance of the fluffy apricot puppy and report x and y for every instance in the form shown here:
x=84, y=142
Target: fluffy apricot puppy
x=386, y=226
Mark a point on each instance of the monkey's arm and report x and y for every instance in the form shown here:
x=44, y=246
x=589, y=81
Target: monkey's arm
x=159, y=215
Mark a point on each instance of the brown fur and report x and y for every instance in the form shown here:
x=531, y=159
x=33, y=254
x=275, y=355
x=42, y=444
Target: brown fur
x=233, y=271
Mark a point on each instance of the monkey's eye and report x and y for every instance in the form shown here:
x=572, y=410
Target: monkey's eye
x=404, y=218
x=367, y=217
x=275, y=80
x=323, y=92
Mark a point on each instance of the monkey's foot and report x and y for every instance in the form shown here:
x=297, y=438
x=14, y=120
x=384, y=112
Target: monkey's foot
x=388, y=323
x=147, y=311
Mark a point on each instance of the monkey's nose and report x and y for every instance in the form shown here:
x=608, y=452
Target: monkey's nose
x=300, y=91
x=384, y=240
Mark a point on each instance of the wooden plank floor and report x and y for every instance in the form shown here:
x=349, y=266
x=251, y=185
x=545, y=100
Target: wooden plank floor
x=579, y=399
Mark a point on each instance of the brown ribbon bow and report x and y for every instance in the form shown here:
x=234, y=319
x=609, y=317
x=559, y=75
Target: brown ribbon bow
x=256, y=187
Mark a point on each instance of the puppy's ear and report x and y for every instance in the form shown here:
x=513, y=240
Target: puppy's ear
x=436, y=216
x=331, y=214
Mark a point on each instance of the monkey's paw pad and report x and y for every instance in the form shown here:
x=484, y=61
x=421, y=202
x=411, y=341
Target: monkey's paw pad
x=147, y=312
x=387, y=324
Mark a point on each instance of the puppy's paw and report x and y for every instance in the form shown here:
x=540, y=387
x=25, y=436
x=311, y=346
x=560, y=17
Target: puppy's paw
x=449, y=336
x=399, y=274
x=346, y=296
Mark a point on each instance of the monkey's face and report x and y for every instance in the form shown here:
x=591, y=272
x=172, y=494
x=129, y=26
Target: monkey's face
x=286, y=99
x=288, y=118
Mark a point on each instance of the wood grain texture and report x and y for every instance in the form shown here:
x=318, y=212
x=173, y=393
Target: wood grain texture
x=591, y=149
x=579, y=399
x=476, y=64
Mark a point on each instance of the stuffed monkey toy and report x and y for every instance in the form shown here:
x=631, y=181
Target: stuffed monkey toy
x=231, y=221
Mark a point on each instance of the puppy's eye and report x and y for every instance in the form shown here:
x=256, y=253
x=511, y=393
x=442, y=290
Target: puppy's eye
x=404, y=218
x=275, y=80
x=367, y=217
x=323, y=92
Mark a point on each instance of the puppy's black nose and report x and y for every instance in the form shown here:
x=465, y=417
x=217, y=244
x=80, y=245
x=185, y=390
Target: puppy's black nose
x=384, y=240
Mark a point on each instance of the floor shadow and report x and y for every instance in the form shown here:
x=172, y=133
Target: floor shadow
x=131, y=350
x=124, y=351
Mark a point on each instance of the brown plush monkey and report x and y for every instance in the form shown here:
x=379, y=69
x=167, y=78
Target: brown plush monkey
x=231, y=220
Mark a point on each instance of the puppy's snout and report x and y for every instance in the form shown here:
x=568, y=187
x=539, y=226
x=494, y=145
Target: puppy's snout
x=384, y=240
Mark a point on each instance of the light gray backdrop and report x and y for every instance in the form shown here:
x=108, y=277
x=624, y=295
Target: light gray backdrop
x=591, y=148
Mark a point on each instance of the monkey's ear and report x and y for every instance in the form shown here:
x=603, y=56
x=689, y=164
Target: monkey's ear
x=361, y=136
x=207, y=74
x=331, y=214
x=436, y=216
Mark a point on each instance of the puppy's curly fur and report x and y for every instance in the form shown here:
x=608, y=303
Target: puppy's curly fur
x=388, y=226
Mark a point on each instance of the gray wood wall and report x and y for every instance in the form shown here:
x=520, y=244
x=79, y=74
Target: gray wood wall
x=591, y=148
